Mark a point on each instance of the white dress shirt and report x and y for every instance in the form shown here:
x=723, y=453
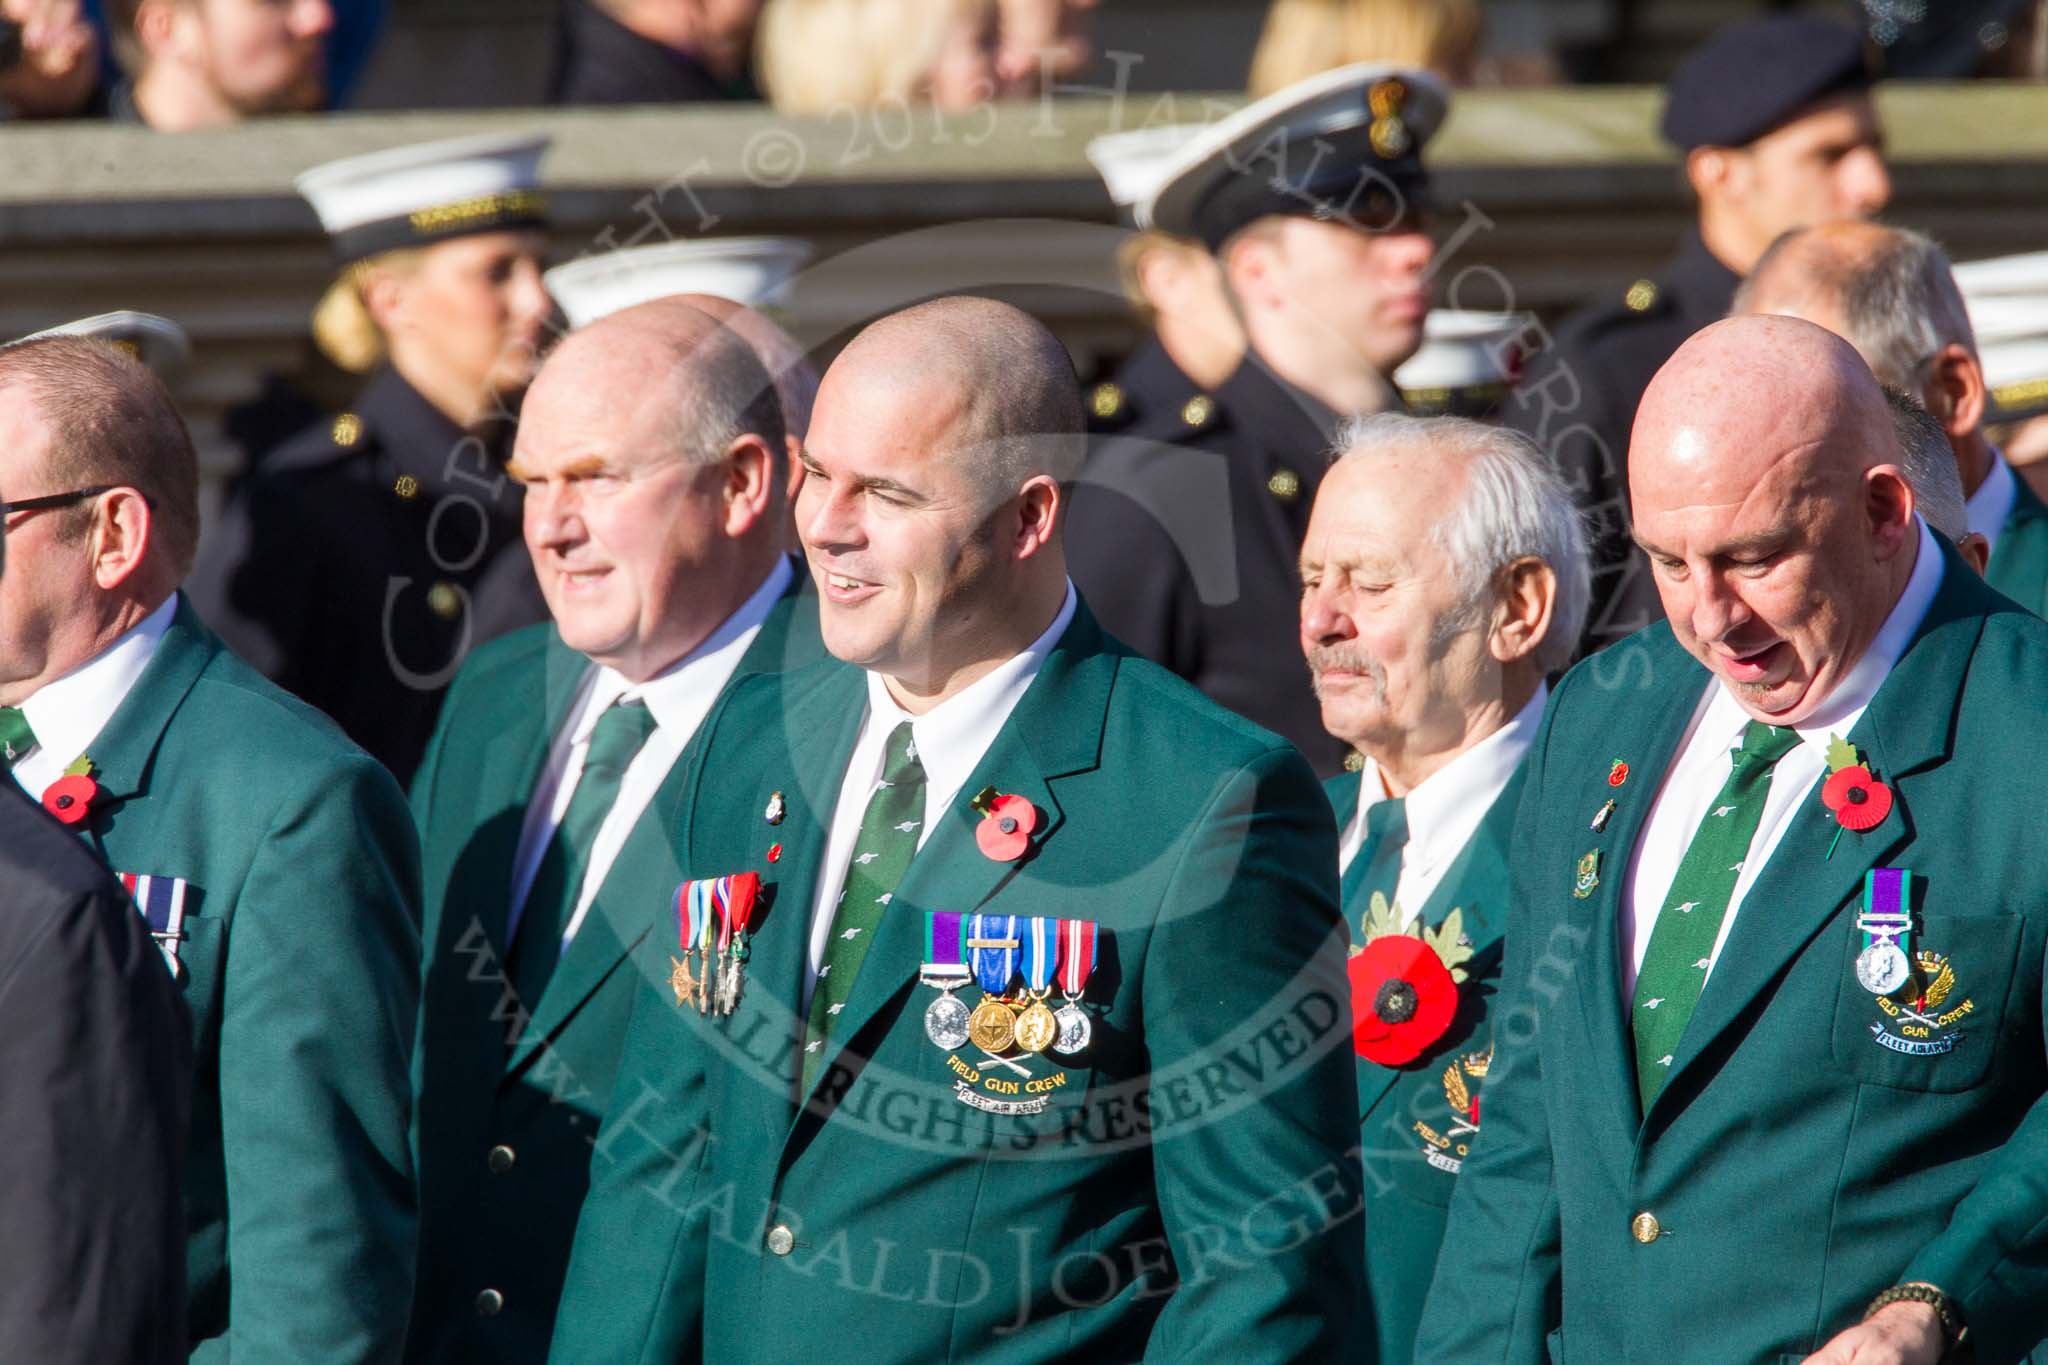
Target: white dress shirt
x=951, y=739
x=68, y=713
x=1703, y=763
x=1991, y=504
x=1446, y=807
x=680, y=696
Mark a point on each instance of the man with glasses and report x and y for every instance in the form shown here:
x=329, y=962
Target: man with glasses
x=275, y=864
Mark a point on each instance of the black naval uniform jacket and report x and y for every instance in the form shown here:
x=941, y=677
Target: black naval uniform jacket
x=363, y=559
x=1148, y=390
x=598, y=60
x=1184, y=535
x=1578, y=401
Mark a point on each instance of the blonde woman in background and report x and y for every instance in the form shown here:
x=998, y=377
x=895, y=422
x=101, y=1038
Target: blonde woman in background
x=815, y=56
x=347, y=566
x=1304, y=38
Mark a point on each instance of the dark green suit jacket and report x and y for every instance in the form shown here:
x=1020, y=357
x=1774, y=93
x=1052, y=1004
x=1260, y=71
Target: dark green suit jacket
x=504, y=1131
x=2019, y=566
x=1205, y=1131
x=1795, y=1162
x=1416, y=1122
x=300, y=965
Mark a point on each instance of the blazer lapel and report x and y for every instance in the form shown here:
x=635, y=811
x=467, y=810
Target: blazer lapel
x=1904, y=730
x=125, y=749
x=1055, y=732
x=1648, y=750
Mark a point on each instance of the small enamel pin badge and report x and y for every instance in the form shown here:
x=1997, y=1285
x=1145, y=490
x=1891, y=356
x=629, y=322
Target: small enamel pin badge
x=1588, y=878
x=1602, y=816
x=1617, y=773
x=777, y=808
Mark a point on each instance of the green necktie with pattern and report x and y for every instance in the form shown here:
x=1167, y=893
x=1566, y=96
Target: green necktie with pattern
x=17, y=740
x=537, y=943
x=1682, y=943
x=1377, y=864
x=881, y=854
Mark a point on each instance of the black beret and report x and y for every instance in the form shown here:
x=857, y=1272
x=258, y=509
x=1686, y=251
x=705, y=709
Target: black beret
x=1753, y=76
x=1345, y=145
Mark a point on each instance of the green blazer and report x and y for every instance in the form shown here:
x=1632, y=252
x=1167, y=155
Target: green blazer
x=1415, y=1121
x=300, y=965
x=1206, y=1129
x=1795, y=1162
x=2019, y=566
x=503, y=1130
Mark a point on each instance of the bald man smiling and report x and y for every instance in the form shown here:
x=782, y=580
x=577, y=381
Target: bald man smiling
x=1770, y=1066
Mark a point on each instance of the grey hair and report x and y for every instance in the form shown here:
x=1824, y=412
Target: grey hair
x=722, y=392
x=1929, y=462
x=1898, y=301
x=1516, y=505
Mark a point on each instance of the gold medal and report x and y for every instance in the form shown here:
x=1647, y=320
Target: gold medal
x=1036, y=1028
x=993, y=1027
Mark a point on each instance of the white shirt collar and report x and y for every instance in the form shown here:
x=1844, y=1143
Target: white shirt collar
x=680, y=696
x=952, y=736
x=1838, y=715
x=68, y=713
x=1991, y=504
x=1446, y=807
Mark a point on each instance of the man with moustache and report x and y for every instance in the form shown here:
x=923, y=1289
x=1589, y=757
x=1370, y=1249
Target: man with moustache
x=652, y=456
x=1185, y=534
x=837, y=1154
x=1773, y=119
x=1891, y=294
x=1443, y=577
x=1771, y=1066
x=273, y=860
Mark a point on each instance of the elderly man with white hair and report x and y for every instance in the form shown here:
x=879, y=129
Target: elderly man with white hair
x=1444, y=576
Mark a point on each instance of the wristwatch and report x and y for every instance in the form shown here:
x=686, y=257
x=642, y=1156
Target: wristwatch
x=1954, y=1331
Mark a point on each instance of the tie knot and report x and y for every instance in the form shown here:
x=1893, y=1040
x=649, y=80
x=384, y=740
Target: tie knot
x=1763, y=745
x=16, y=738
x=900, y=762
x=618, y=735
x=1386, y=822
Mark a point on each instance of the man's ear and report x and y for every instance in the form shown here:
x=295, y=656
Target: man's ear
x=1040, y=507
x=1955, y=390
x=1708, y=170
x=749, y=491
x=1521, y=617
x=1249, y=260
x=1976, y=551
x=1890, y=504
x=160, y=28
x=122, y=526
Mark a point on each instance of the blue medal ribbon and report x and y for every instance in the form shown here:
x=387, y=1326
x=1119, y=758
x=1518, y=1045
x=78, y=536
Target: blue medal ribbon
x=1041, y=953
x=992, y=950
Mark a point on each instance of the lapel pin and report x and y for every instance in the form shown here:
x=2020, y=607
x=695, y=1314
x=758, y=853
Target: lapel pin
x=775, y=853
x=1006, y=825
x=1588, y=876
x=1617, y=774
x=1852, y=794
x=70, y=797
x=1602, y=816
x=777, y=808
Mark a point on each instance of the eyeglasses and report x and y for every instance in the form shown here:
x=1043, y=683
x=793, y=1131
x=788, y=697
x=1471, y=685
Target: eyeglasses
x=50, y=501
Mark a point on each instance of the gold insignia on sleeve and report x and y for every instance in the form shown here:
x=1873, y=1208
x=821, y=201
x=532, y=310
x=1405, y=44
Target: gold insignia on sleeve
x=1640, y=296
x=347, y=429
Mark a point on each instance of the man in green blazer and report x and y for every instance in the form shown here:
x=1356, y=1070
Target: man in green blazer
x=657, y=539
x=886, y=1141
x=274, y=861
x=1891, y=293
x=1444, y=575
x=1771, y=1061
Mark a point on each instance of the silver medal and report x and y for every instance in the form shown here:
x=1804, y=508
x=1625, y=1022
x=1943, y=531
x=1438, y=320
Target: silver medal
x=945, y=1022
x=1075, y=1030
x=1882, y=968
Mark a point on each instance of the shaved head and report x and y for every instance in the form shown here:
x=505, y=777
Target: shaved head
x=932, y=495
x=1765, y=476
x=796, y=378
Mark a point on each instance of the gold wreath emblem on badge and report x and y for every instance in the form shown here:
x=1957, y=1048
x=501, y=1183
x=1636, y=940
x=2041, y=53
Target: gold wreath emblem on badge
x=1464, y=1103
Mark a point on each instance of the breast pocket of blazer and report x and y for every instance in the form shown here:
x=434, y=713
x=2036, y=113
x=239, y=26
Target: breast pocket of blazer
x=200, y=961
x=1939, y=1032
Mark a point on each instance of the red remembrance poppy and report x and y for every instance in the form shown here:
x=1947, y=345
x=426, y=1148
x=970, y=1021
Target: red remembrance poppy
x=70, y=797
x=1859, y=801
x=1402, y=999
x=1005, y=832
